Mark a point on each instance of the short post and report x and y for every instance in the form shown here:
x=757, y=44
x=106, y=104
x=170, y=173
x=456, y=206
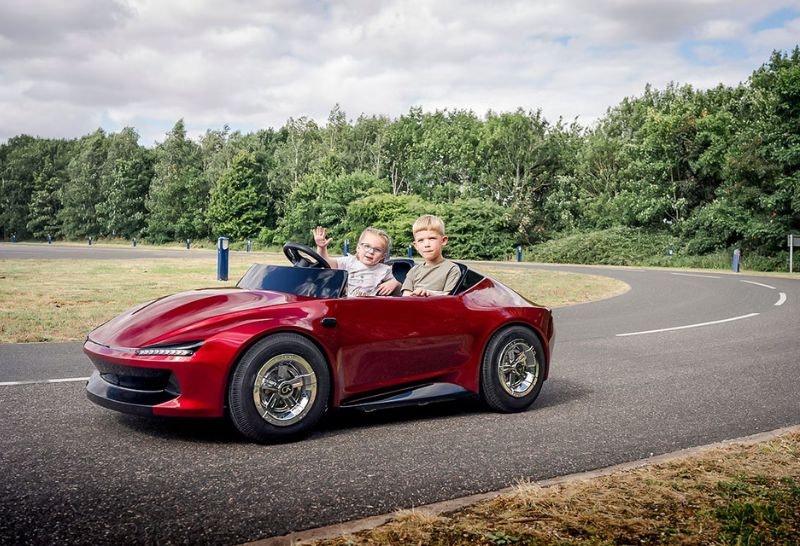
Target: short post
x=90, y=241
x=49, y=239
x=737, y=254
x=410, y=251
x=133, y=242
x=188, y=244
x=519, y=253
x=346, y=247
x=248, y=245
x=222, y=258
x=794, y=241
x=13, y=237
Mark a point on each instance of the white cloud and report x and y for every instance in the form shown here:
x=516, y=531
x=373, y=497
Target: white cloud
x=66, y=68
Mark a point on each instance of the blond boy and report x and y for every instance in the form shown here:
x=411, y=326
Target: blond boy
x=436, y=276
x=367, y=275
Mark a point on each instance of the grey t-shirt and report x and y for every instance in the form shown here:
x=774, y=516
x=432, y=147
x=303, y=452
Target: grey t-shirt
x=363, y=280
x=440, y=279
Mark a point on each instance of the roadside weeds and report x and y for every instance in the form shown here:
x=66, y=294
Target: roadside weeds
x=747, y=492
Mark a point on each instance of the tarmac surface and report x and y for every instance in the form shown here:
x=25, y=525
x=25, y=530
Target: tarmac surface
x=680, y=360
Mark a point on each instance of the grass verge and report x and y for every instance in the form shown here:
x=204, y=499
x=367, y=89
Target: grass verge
x=738, y=494
x=63, y=300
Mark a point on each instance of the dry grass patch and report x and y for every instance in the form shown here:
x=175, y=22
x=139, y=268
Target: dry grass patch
x=741, y=494
x=555, y=288
x=61, y=300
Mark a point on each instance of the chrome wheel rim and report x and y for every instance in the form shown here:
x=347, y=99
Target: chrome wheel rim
x=518, y=368
x=285, y=389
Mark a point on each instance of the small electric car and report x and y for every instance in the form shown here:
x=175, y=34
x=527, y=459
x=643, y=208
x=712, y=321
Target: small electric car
x=286, y=345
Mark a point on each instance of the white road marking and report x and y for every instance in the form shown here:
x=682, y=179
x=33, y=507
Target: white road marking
x=43, y=381
x=688, y=326
x=781, y=299
x=759, y=284
x=695, y=275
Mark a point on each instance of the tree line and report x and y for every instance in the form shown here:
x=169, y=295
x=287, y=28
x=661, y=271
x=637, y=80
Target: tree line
x=715, y=168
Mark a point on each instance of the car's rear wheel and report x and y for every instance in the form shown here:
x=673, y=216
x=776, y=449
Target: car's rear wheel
x=512, y=370
x=280, y=389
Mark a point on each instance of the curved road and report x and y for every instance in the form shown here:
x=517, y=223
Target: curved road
x=680, y=360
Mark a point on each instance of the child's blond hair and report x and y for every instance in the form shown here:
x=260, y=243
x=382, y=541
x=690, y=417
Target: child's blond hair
x=378, y=233
x=428, y=221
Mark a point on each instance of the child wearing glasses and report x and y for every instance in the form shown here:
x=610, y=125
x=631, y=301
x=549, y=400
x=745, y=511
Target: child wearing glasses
x=367, y=275
x=436, y=276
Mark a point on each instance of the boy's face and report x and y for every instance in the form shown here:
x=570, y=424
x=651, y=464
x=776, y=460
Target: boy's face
x=429, y=244
x=371, y=249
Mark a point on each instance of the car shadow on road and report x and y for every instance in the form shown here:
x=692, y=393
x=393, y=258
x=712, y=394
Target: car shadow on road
x=216, y=431
x=556, y=391
x=343, y=419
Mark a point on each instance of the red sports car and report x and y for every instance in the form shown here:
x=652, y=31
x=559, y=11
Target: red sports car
x=285, y=345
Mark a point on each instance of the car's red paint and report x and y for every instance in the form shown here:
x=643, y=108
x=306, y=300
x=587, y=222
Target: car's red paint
x=377, y=344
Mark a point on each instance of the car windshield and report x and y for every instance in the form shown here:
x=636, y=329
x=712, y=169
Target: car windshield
x=303, y=281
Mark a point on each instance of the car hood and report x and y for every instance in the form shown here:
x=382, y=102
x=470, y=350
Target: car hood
x=186, y=316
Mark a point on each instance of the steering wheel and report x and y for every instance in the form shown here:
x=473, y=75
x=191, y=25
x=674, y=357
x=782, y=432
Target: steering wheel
x=302, y=256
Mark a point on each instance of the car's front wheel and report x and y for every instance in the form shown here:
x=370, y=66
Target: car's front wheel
x=280, y=389
x=512, y=370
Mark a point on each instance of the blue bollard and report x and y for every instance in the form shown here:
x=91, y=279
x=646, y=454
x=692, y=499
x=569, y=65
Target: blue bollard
x=737, y=254
x=49, y=239
x=188, y=244
x=134, y=242
x=519, y=253
x=248, y=245
x=222, y=258
x=13, y=237
x=410, y=251
x=346, y=247
x=90, y=241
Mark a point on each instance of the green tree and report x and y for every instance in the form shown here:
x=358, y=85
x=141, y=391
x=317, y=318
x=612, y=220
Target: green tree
x=369, y=140
x=299, y=149
x=179, y=192
x=445, y=155
x=239, y=206
x=394, y=214
x=401, y=137
x=45, y=201
x=26, y=164
x=318, y=200
x=478, y=229
x=523, y=157
x=84, y=188
x=125, y=182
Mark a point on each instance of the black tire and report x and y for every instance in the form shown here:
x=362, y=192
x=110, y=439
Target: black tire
x=294, y=389
x=512, y=370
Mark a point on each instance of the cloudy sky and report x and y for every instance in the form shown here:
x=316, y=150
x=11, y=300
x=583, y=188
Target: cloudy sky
x=69, y=67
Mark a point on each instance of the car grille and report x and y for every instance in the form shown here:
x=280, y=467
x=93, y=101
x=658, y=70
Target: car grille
x=143, y=379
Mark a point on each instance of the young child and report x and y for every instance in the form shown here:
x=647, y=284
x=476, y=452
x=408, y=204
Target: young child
x=436, y=276
x=367, y=274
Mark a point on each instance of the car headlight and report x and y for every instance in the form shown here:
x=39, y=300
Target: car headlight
x=183, y=349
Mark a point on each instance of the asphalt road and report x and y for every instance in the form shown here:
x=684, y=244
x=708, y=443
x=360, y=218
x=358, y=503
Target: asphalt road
x=721, y=360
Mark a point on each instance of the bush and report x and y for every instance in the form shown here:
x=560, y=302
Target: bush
x=614, y=246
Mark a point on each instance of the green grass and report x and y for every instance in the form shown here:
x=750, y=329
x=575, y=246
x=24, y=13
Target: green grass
x=63, y=300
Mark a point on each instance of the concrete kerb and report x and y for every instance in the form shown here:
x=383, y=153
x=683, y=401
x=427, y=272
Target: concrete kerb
x=348, y=528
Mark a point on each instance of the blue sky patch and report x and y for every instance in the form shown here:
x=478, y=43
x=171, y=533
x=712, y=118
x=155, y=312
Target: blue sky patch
x=777, y=19
x=711, y=52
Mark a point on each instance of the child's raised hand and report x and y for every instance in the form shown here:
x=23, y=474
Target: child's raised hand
x=320, y=233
